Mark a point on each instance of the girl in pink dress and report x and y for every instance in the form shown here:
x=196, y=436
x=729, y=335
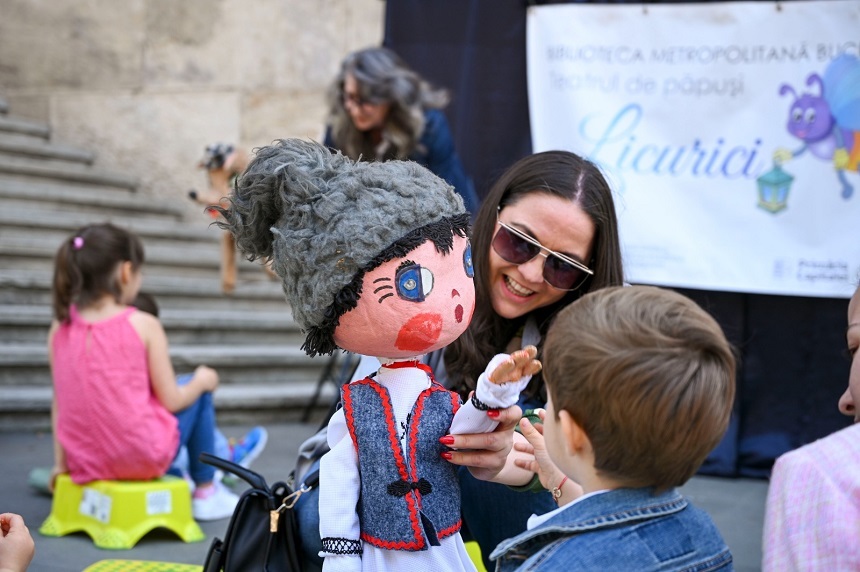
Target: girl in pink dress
x=118, y=412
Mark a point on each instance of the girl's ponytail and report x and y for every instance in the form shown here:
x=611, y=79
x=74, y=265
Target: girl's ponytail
x=86, y=263
x=67, y=279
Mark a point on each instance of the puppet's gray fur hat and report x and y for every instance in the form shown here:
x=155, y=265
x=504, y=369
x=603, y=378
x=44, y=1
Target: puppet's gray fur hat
x=322, y=217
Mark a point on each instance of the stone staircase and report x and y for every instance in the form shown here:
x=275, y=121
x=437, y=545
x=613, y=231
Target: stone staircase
x=47, y=191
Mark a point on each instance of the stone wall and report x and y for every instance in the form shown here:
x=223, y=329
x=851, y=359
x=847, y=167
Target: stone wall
x=147, y=84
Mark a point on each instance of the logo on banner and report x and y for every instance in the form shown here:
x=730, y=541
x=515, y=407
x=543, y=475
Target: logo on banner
x=827, y=122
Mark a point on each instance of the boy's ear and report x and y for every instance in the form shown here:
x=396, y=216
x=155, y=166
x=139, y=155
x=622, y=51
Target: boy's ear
x=574, y=435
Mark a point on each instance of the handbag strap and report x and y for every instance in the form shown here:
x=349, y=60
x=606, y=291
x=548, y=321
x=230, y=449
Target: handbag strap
x=312, y=479
x=256, y=480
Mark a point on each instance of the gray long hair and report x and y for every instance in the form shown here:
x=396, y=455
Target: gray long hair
x=383, y=77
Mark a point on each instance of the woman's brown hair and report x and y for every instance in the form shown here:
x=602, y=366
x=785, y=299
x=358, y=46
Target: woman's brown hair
x=556, y=173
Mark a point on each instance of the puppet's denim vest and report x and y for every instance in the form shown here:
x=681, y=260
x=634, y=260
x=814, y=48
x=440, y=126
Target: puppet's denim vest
x=407, y=502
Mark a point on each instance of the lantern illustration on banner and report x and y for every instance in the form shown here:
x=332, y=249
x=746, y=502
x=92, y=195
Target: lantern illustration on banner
x=773, y=189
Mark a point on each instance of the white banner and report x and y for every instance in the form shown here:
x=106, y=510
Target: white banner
x=729, y=131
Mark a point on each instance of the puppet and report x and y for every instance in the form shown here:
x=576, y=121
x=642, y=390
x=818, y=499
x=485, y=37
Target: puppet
x=375, y=259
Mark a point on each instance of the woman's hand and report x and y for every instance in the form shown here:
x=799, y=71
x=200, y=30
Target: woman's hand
x=485, y=454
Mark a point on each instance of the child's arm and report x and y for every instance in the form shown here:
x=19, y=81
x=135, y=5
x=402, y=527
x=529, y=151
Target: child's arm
x=60, y=467
x=549, y=474
x=498, y=387
x=174, y=397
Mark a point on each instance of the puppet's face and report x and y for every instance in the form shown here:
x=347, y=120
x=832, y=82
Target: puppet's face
x=412, y=305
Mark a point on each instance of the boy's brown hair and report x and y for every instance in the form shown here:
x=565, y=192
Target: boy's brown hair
x=650, y=378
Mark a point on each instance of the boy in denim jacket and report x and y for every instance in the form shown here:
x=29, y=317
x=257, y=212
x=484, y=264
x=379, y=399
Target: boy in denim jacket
x=640, y=386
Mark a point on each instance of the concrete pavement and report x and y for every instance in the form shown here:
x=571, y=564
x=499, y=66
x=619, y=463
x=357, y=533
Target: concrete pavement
x=736, y=505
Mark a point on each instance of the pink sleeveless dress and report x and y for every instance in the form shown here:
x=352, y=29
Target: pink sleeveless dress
x=109, y=422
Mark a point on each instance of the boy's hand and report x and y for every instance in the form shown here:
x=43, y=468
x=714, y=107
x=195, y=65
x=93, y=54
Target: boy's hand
x=549, y=474
x=520, y=364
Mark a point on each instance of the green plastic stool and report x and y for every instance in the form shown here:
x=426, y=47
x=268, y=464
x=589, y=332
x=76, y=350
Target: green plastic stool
x=117, y=514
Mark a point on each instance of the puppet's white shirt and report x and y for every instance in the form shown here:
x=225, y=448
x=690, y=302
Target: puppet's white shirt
x=340, y=483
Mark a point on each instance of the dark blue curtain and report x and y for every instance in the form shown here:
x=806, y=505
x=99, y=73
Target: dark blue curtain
x=791, y=371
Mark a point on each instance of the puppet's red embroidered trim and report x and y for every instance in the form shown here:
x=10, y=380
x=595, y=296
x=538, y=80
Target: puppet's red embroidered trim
x=389, y=545
x=454, y=528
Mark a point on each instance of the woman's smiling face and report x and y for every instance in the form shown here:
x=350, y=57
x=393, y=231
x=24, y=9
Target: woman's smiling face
x=558, y=224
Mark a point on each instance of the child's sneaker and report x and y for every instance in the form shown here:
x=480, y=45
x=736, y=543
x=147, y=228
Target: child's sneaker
x=249, y=447
x=213, y=503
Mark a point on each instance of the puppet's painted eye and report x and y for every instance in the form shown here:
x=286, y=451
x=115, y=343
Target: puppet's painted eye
x=467, y=261
x=414, y=283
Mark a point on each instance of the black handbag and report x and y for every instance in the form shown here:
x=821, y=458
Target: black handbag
x=263, y=534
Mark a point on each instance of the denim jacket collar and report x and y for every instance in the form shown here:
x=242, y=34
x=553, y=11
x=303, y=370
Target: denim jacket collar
x=608, y=509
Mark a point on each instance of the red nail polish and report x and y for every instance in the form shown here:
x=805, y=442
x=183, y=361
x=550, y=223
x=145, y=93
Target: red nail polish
x=447, y=455
x=447, y=440
x=493, y=413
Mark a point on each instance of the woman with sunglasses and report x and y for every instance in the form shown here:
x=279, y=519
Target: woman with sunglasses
x=545, y=235
x=380, y=109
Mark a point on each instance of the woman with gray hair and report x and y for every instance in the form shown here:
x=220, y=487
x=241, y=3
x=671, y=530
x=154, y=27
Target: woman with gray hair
x=380, y=109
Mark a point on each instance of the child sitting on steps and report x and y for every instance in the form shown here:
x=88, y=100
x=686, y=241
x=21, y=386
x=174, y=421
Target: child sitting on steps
x=640, y=387
x=242, y=451
x=118, y=412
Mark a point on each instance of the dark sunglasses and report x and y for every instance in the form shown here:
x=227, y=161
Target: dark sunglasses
x=559, y=271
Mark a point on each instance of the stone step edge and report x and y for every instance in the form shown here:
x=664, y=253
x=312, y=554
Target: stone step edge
x=208, y=257
x=47, y=150
x=100, y=178
x=157, y=285
x=40, y=316
x=225, y=356
x=61, y=195
x=24, y=126
x=245, y=396
x=57, y=220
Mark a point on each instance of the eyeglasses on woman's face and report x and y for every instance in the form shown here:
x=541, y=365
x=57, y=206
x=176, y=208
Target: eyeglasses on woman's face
x=355, y=99
x=559, y=270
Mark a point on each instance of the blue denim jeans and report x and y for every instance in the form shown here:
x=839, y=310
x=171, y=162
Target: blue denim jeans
x=308, y=516
x=196, y=434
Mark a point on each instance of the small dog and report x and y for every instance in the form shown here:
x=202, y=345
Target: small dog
x=223, y=163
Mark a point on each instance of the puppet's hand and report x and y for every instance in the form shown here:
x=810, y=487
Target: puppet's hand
x=505, y=377
x=519, y=364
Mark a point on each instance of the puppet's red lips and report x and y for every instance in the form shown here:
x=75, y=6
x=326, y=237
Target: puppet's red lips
x=419, y=333
x=458, y=313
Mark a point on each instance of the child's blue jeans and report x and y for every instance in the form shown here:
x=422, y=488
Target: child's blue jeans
x=197, y=434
